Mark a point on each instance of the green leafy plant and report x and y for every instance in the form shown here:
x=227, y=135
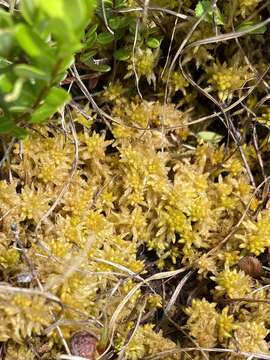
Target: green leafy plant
x=37, y=48
x=111, y=38
x=206, y=7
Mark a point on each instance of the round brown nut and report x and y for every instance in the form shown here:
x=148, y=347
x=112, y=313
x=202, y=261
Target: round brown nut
x=251, y=266
x=84, y=344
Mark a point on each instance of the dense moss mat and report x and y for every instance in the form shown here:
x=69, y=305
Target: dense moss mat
x=136, y=224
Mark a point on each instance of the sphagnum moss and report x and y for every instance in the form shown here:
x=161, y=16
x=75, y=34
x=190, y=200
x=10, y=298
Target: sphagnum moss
x=147, y=195
x=177, y=220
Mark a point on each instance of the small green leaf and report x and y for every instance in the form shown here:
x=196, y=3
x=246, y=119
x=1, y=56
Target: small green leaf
x=30, y=42
x=91, y=31
x=74, y=13
x=210, y=136
x=56, y=98
x=248, y=24
x=90, y=41
x=6, y=42
x=153, y=43
x=5, y=124
x=85, y=57
x=206, y=7
x=5, y=19
x=97, y=65
x=19, y=133
x=6, y=83
x=53, y=8
x=101, y=68
x=122, y=54
x=200, y=8
x=27, y=98
x=105, y=38
x=30, y=72
x=66, y=63
x=117, y=22
x=60, y=77
x=67, y=40
x=16, y=91
x=78, y=13
x=28, y=10
x=17, y=109
x=41, y=53
x=119, y=4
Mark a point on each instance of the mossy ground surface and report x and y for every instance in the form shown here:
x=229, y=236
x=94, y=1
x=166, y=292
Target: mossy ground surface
x=139, y=218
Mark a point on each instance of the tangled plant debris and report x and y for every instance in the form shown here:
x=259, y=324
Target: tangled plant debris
x=134, y=218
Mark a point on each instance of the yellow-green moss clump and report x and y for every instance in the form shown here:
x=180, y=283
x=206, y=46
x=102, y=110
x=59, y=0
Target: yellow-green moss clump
x=227, y=79
x=86, y=251
x=147, y=342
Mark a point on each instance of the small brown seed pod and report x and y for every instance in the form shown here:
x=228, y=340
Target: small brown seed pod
x=251, y=266
x=84, y=344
